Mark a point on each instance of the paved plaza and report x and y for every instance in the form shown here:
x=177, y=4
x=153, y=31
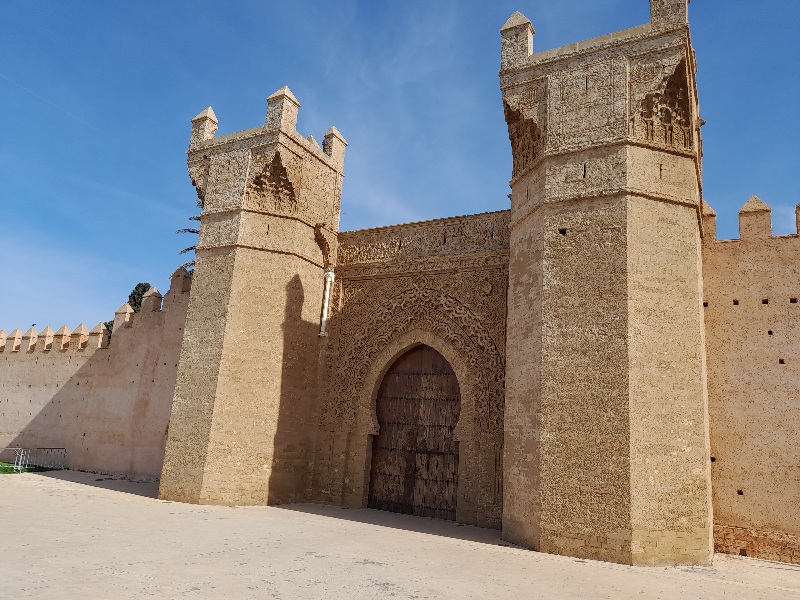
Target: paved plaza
x=70, y=535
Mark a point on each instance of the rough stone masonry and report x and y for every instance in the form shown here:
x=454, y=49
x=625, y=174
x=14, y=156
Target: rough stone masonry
x=591, y=371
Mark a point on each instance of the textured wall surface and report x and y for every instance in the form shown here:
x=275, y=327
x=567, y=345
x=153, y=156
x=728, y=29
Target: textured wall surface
x=440, y=283
x=246, y=399
x=606, y=432
x=109, y=407
x=614, y=361
x=752, y=292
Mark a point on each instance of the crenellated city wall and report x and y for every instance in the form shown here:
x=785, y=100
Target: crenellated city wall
x=107, y=403
x=618, y=368
x=752, y=329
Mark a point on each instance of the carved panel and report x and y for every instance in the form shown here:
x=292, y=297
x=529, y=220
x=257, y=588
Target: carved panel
x=526, y=140
x=272, y=190
x=326, y=240
x=587, y=105
x=662, y=116
x=444, y=237
x=198, y=172
x=525, y=113
x=226, y=178
x=466, y=310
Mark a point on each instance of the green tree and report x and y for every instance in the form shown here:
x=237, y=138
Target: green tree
x=193, y=230
x=135, y=301
x=136, y=295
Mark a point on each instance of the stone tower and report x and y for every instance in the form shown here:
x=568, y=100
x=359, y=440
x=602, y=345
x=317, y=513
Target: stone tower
x=606, y=426
x=246, y=401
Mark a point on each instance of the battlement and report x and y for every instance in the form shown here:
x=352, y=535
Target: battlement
x=287, y=182
x=518, y=35
x=47, y=340
x=755, y=222
x=281, y=118
x=98, y=338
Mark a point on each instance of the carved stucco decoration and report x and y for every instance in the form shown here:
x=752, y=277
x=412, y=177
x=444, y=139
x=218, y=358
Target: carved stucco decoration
x=198, y=172
x=272, y=189
x=415, y=306
x=479, y=233
x=326, y=242
x=525, y=109
x=664, y=115
x=526, y=139
x=456, y=263
x=587, y=105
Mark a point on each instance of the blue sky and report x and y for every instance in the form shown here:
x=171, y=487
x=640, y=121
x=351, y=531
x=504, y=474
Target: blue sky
x=97, y=99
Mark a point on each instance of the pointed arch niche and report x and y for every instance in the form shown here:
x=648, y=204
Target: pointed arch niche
x=416, y=316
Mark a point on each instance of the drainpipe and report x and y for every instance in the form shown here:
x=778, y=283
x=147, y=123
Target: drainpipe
x=323, y=328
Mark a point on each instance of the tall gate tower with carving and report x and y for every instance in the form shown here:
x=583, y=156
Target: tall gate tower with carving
x=246, y=401
x=606, y=421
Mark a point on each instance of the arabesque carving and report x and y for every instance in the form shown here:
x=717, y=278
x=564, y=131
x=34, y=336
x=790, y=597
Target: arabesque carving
x=444, y=237
x=664, y=116
x=199, y=175
x=388, y=309
x=526, y=139
x=272, y=190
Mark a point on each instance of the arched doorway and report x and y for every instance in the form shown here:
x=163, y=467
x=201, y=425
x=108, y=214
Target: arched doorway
x=415, y=457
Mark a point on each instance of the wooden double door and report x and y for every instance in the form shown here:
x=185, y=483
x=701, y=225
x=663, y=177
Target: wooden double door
x=414, y=457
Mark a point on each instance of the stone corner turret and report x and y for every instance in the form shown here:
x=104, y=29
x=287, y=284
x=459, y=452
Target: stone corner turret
x=517, y=39
x=204, y=126
x=669, y=14
x=282, y=108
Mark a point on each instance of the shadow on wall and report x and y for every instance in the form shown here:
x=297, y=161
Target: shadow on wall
x=109, y=407
x=299, y=410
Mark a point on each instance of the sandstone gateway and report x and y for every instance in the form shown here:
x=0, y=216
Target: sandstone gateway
x=591, y=370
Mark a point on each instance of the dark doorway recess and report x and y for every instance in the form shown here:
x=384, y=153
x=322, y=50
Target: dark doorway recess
x=414, y=457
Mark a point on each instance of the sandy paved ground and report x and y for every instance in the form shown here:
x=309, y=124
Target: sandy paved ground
x=66, y=535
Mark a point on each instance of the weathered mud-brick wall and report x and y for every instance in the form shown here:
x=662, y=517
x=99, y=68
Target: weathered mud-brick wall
x=107, y=404
x=752, y=316
x=606, y=447
x=439, y=283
